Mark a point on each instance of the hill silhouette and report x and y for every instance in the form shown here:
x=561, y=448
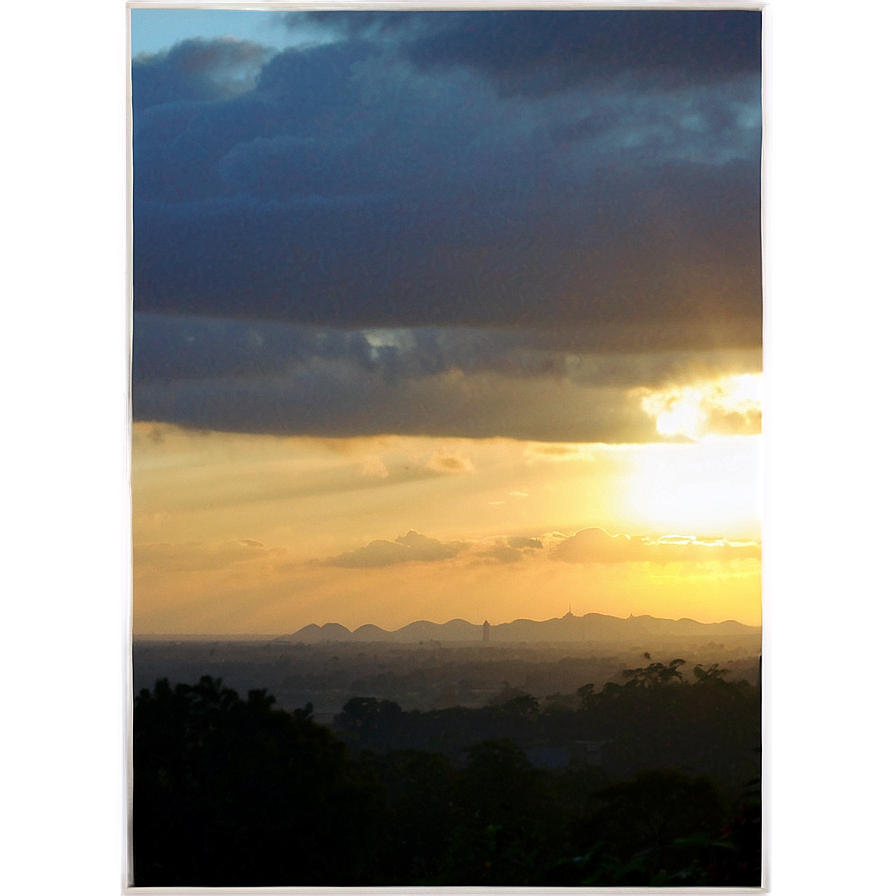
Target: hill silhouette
x=596, y=627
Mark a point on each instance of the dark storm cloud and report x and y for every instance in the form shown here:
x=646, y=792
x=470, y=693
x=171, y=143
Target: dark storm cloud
x=678, y=263
x=196, y=70
x=542, y=51
x=263, y=376
x=381, y=181
x=170, y=348
x=361, y=22
x=167, y=349
x=343, y=191
x=335, y=400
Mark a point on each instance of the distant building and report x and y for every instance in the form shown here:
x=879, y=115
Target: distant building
x=485, y=628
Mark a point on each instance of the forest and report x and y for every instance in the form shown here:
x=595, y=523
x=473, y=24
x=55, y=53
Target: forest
x=652, y=780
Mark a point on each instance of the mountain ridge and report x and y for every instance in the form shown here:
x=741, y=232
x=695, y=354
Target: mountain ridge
x=589, y=627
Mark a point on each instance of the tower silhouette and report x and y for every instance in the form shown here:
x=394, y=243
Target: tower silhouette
x=485, y=628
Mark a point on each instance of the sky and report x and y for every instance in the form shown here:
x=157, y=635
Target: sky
x=445, y=314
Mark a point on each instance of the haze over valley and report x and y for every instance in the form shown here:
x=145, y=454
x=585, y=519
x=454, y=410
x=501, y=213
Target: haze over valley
x=426, y=666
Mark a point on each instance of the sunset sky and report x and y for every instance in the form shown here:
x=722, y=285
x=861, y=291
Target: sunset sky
x=445, y=314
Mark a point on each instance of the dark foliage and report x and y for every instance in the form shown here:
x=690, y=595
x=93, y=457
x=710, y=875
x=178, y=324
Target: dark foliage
x=663, y=792
x=234, y=792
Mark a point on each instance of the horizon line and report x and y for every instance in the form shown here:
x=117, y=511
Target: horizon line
x=492, y=625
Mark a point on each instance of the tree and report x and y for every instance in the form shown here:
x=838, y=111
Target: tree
x=587, y=697
x=661, y=828
x=654, y=675
x=233, y=792
x=709, y=673
x=525, y=706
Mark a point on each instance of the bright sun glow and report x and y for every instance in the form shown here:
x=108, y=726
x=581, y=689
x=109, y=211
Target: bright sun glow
x=706, y=488
x=731, y=405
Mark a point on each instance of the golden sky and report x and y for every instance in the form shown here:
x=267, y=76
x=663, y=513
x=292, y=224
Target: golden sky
x=252, y=533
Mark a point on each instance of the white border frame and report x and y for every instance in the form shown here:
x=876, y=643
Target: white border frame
x=829, y=485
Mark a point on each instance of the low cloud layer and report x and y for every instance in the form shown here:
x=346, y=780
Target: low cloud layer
x=241, y=376
x=597, y=546
x=409, y=548
x=586, y=546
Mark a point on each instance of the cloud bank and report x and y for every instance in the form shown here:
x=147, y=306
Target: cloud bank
x=421, y=221
x=592, y=545
x=409, y=548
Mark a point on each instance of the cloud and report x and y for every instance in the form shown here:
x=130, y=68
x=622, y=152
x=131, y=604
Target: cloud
x=348, y=21
x=409, y=548
x=539, y=51
x=343, y=189
x=334, y=400
x=651, y=266
x=501, y=553
x=587, y=546
x=257, y=376
x=172, y=347
x=197, y=70
x=364, y=235
x=519, y=542
x=511, y=549
x=449, y=463
x=727, y=405
x=416, y=548
x=597, y=546
x=556, y=451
